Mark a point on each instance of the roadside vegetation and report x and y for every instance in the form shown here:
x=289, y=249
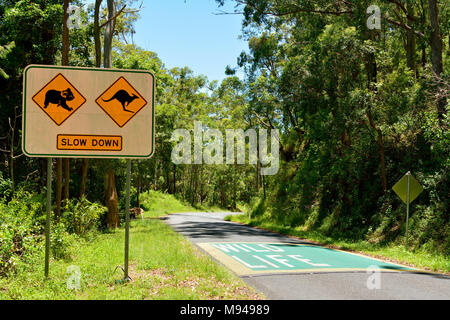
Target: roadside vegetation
x=163, y=264
x=420, y=257
x=159, y=204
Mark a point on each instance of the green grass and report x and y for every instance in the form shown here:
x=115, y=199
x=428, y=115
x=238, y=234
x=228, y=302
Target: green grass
x=394, y=252
x=158, y=204
x=163, y=265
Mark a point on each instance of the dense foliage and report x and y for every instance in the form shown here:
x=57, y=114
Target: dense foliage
x=358, y=108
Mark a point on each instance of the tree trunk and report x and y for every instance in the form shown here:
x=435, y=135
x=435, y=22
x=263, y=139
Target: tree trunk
x=264, y=185
x=11, y=150
x=84, y=170
x=65, y=39
x=64, y=62
x=435, y=39
x=66, y=178
x=97, y=40
x=59, y=177
x=234, y=187
x=168, y=180
x=111, y=192
x=257, y=169
x=194, y=184
x=222, y=194
x=174, y=178
x=11, y=170
x=411, y=41
x=98, y=62
x=43, y=163
x=436, y=50
x=155, y=178
x=372, y=71
x=112, y=200
x=380, y=150
x=424, y=58
x=138, y=189
x=109, y=33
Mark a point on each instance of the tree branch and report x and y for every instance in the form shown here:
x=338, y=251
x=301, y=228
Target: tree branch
x=114, y=17
x=403, y=8
x=293, y=11
x=405, y=26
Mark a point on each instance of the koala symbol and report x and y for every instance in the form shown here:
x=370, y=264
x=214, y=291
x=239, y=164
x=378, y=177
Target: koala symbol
x=59, y=97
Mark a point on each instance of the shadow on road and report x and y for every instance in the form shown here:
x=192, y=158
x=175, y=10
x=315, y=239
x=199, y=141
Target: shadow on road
x=229, y=232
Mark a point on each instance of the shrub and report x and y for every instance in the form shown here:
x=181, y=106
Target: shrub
x=81, y=216
x=5, y=188
x=60, y=241
x=20, y=229
x=123, y=199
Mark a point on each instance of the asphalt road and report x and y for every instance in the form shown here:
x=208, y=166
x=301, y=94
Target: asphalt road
x=206, y=229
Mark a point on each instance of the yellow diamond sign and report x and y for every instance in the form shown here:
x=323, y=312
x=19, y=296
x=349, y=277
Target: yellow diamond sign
x=121, y=102
x=59, y=99
x=401, y=188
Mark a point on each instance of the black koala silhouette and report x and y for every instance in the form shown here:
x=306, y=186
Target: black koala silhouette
x=124, y=98
x=59, y=97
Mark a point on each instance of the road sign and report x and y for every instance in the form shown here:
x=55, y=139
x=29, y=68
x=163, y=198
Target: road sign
x=88, y=112
x=59, y=99
x=401, y=188
x=407, y=188
x=121, y=102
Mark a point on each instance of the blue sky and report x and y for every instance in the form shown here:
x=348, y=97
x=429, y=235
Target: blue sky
x=187, y=33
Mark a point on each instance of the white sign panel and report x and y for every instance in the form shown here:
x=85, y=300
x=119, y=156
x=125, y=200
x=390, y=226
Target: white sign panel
x=88, y=113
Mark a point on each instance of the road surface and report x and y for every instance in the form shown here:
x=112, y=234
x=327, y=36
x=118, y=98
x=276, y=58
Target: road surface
x=285, y=268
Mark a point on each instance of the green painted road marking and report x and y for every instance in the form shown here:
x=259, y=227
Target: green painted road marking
x=254, y=258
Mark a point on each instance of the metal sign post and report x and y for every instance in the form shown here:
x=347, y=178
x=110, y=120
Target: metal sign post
x=408, y=174
x=47, y=221
x=127, y=220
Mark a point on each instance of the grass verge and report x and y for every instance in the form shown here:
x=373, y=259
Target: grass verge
x=158, y=204
x=394, y=252
x=163, y=266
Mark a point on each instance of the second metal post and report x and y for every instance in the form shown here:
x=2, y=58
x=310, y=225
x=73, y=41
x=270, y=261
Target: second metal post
x=127, y=219
x=47, y=221
x=407, y=207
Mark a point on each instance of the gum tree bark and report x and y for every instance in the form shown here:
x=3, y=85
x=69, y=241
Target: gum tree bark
x=372, y=73
x=109, y=33
x=64, y=62
x=97, y=41
x=112, y=199
x=436, y=50
x=411, y=41
x=98, y=62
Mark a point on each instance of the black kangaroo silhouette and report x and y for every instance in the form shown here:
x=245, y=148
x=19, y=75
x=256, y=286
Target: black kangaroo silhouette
x=59, y=97
x=124, y=98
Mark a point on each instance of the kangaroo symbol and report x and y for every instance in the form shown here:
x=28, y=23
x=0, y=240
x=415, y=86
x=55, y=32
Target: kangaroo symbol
x=124, y=98
x=59, y=97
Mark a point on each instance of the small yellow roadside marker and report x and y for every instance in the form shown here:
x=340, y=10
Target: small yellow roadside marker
x=408, y=189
